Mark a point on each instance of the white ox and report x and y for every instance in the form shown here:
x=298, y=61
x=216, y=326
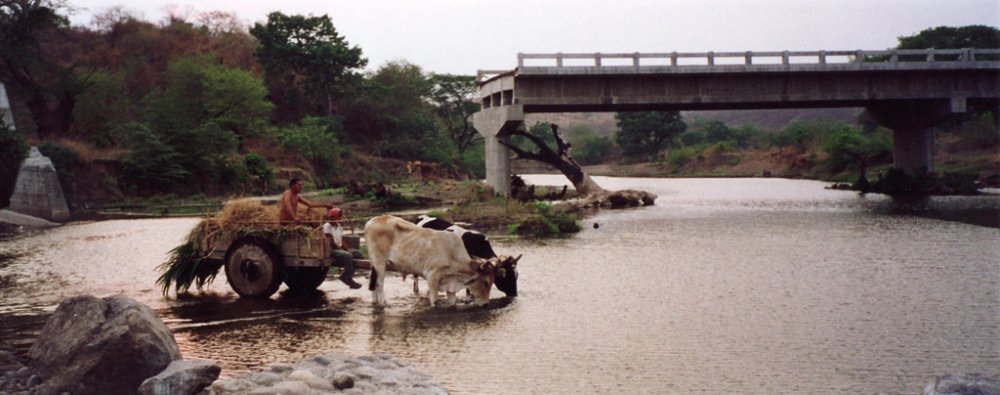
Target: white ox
x=439, y=257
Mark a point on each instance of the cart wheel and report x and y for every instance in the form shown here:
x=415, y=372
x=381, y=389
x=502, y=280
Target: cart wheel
x=253, y=269
x=300, y=279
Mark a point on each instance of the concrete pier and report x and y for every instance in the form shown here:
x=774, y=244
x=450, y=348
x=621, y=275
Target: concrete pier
x=37, y=191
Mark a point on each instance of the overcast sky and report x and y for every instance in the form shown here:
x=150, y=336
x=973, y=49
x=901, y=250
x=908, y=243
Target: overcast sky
x=462, y=36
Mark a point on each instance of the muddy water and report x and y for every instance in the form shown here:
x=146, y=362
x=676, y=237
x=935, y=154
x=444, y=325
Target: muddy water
x=724, y=286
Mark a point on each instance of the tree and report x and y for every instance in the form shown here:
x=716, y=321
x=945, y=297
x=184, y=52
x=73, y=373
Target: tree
x=394, y=116
x=48, y=88
x=592, y=194
x=646, y=133
x=454, y=99
x=945, y=37
x=13, y=150
x=306, y=53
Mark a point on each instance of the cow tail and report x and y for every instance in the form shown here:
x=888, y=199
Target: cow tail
x=372, y=279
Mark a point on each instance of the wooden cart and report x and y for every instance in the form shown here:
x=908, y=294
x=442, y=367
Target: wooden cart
x=256, y=265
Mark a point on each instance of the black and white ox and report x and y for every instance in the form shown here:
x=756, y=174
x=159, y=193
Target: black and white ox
x=478, y=246
x=436, y=256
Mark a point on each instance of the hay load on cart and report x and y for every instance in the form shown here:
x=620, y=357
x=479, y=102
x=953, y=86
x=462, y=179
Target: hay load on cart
x=257, y=251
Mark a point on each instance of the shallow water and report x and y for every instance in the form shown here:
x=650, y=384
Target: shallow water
x=724, y=286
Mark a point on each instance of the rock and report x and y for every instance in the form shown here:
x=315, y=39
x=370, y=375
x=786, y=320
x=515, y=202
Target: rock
x=282, y=368
x=972, y=384
x=283, y=388
x=310, y=379
x=101, y=345
x=265, y=378
x=182, y=377
x=343, y=381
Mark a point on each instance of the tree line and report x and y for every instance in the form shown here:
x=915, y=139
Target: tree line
x=185, y=105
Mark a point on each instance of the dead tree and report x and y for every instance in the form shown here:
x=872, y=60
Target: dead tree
x=590, y=193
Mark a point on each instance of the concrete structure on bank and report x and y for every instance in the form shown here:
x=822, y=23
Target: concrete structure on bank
x=907, y=91
x=6, y=110
x=37, y=191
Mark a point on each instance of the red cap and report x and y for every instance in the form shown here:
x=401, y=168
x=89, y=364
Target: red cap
x=334, y=213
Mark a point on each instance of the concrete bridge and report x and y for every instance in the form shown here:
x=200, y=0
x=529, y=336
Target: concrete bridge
x=907, y=91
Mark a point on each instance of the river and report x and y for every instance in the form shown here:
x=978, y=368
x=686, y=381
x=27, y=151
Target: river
x=724, y=286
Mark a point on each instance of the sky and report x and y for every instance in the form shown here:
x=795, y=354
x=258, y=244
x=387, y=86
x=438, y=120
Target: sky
x=463, y=36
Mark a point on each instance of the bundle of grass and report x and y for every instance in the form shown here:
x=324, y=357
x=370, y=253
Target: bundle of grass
x=188, y=264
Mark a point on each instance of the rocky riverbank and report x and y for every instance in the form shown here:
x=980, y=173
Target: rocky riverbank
x=333, y=373
x=117, y=345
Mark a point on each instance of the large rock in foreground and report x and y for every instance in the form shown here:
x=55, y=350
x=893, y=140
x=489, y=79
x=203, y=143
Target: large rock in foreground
x=101, y=346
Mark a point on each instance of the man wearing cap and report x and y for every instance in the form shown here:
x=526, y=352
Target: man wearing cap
x=338, y=250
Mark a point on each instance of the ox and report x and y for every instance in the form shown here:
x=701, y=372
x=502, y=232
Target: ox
x=439, y=257
x=478, y=246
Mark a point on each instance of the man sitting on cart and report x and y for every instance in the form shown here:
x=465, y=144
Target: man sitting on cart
x=338, y=250
x=290, y=202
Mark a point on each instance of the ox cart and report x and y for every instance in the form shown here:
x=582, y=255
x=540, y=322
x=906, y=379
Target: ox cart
x=257, y=263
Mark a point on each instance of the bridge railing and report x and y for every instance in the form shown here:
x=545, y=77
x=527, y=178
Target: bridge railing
x=675, y=59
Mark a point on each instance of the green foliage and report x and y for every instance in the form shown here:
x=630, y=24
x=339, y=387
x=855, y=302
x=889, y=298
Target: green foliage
x=186, y=267
x=150, y=164
x=394, y=117
x=946, y=37
x=258, y=167
x=693, y=137
x=236, y=100
x=317, y=139
x=310, y=47
x=542, y=130
x=454, y=98
x=547, y=221
x=646, y=133
x=847, y=145
x=588, y=148
x=982, y=130
x=474, y=160
x=13, y=151
x=104, y=106
x=678, y=157
x=64, y=159
x=805, y=135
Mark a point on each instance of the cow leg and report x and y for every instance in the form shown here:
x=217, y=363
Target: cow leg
x=452, y=299
x=416, y=285
x=433, y=280
x=376, y=282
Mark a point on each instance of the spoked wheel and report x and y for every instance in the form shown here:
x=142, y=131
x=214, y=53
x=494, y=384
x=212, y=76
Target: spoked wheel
x=301, y=279
x=253, y=268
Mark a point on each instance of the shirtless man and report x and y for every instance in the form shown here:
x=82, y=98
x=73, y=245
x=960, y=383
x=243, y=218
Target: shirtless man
x=290, y=202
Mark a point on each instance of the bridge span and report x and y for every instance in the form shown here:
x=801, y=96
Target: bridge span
x=907, y=91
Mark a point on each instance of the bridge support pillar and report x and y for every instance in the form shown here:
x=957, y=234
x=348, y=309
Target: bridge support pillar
x=495, y=124
x=911, y=122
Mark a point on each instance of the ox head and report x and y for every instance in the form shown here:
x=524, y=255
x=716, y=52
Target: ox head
x=505, y=273
x=481, y=282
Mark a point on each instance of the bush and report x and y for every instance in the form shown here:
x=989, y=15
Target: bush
x=678, y=157
x=982, y=130
x=258, y=168
x=63, y=158
x=547, y=221
x=150, y=164
x=593, y=150
x=13, y=151
x=693, y=137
